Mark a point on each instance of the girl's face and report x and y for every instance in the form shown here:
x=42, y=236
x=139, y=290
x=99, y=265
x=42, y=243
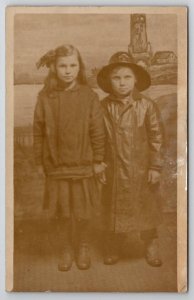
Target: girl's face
x=67, y=68
x=122, y=80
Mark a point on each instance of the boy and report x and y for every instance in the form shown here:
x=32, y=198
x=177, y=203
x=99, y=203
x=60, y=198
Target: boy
x=133, y=156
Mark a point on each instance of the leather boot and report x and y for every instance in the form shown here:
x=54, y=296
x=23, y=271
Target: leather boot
x=66, y=259
x=111, y=253
x=152, y=253
x=83, y=256
x=111, y=259
x=64, y=235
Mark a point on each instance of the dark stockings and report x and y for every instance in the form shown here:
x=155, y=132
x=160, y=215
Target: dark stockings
x=65, y=230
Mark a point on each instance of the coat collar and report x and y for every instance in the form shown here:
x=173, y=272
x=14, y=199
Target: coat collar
x=60, y=88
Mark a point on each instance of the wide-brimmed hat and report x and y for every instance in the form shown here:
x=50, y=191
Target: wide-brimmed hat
x=123, y=59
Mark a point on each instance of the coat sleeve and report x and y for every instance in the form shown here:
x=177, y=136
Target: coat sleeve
x=97, y=130
x=38, y=131
x=155, y=136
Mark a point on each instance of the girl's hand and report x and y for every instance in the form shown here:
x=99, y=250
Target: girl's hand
x=153, y=176
x=99, y=171
x=40, y=171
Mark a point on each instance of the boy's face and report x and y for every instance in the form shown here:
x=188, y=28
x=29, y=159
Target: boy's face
x=67, y=68
x=122, y=80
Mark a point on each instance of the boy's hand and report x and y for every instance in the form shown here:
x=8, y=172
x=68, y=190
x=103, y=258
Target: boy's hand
x=40, y=171
x=153, y=176
x=99, y=171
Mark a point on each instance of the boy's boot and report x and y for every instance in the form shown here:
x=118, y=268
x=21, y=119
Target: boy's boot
x=66, y=257
x=83, y=254
x=152, y=253
x=111, y=253
x=150, y=238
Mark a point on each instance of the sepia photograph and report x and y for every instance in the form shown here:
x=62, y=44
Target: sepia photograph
x=96, y=149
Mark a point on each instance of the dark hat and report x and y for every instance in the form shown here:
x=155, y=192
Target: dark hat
x=123, y=59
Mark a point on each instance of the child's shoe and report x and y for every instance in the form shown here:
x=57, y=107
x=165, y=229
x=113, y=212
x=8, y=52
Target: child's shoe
x=111, y=259
x=83, y=257
x=66, y=259
x=111, y=255
x=152, y=253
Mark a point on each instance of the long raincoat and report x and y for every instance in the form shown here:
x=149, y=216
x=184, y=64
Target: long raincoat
x=133, y=146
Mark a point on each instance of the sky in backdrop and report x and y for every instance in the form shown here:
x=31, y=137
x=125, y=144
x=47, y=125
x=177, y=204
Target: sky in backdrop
x=97, y=36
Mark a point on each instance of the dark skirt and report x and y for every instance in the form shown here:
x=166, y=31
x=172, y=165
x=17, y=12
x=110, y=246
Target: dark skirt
x=79, y=198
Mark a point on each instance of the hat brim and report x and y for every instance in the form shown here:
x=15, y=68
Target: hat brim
x=142, y=76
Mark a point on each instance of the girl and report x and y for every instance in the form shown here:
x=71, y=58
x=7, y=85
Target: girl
x=133, y=156
x=69, y=148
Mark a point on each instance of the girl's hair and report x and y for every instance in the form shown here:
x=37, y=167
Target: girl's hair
x=51, y=81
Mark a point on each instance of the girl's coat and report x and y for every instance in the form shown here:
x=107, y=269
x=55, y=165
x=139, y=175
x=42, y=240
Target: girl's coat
x=69, y=132
x=68, y=139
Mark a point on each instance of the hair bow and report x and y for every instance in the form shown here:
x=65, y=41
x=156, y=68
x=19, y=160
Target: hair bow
x=46, y=59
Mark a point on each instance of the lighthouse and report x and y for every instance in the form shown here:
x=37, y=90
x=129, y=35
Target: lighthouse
x=139, y=46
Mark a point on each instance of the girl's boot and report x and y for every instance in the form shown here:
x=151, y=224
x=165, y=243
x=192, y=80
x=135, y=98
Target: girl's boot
x=83, y=254
x=66, y=257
